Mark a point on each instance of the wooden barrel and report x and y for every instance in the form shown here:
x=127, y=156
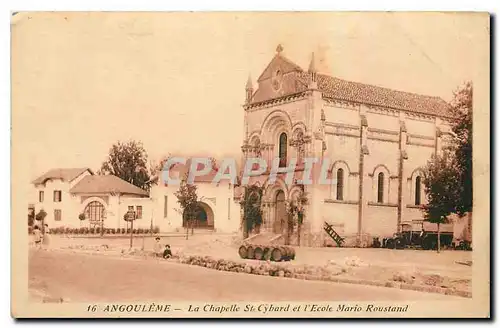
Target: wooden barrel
x=267, y=253
x=258, y=252
x=250, y=252
x=277, y=254
x=288, y=253
x=243, y=251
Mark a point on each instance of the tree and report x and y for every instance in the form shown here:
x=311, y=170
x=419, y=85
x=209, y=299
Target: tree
x=40, y=216
x=251, y=205
x=442, y=187
x=128, y=161
x=156, y=169
x=462, y=105
x=82, y=218
x=448, y=177
x=187, y=197
x=31, y=216
x=295, y=209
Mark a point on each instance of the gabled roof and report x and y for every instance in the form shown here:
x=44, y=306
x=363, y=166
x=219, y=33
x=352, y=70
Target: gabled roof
x=284, y=63
x=296, y=81
x=66, y=175
x=106, y=184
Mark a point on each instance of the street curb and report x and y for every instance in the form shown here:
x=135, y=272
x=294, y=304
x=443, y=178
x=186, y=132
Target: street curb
x=377, y=283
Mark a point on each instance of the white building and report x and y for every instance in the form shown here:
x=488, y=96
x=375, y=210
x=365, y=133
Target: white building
x=66, y=193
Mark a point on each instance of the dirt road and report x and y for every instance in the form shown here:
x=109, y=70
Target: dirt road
x=83, y=278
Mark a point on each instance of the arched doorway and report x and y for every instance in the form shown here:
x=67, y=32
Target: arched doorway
x=204, y=217
x=95, y=213
x=280, y=214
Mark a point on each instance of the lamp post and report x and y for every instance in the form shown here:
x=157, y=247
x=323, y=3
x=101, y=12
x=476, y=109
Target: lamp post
x=130, y=216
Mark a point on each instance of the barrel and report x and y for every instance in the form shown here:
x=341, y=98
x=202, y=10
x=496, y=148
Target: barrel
x=250, y=252
x=290, y=253
x=259, y=252
x=243, y=251
x=267, y=253
x=277, y=254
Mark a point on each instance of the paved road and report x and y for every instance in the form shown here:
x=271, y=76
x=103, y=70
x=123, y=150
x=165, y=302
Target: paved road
x=83, y=278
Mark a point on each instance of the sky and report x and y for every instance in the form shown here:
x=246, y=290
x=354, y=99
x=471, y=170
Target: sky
x=176, y=81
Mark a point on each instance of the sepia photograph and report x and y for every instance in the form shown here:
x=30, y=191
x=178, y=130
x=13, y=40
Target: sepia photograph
x=250, y=164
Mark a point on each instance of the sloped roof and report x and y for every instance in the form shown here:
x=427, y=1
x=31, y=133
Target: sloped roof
x=336, y=88
x=285, y=64
x=67, y=175
x=106, y=184
x=296, y=81
x=183, y=169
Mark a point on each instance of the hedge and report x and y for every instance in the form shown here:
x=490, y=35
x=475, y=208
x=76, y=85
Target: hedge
x=96, y=231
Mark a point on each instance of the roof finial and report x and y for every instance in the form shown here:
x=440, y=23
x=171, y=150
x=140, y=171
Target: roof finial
x=279, y=49
x=312, y=64
x=249, y=85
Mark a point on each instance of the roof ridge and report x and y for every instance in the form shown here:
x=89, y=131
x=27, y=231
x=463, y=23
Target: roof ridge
x=381, y=87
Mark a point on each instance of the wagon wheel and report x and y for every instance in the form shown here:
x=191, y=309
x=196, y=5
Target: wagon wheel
x=277, y=254
x=242, y=251
x=250, y=252
x=258, y=253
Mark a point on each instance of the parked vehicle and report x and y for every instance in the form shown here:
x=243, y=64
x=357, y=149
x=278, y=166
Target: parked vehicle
x=420, y=235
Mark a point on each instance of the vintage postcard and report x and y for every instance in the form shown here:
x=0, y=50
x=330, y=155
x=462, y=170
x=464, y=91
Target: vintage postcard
x=250, y=164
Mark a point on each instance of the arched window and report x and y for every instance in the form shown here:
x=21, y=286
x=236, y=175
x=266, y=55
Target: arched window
x=94, y=212
x=340, y=184
x=282, y=149
x=418, y=183
x=380, y=190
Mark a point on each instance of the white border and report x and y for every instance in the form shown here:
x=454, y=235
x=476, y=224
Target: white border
x=8, y=6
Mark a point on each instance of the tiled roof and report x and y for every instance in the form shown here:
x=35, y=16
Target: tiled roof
x=336, y=88
x=295, y=80
x=106, y=184
x=66, y=175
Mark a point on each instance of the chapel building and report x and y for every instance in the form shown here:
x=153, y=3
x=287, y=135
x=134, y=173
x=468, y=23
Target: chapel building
x=377, y=140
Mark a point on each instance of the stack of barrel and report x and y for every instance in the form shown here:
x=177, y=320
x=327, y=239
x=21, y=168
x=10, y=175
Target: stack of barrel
x=275, y=253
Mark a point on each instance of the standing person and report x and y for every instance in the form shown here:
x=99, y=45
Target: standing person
x=46, y=238
x=157, y=248
x=37, y=236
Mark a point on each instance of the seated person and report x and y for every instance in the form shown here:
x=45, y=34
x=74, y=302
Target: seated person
x=167, y=253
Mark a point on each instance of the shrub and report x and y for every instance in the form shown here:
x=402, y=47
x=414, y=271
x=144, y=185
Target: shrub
x=140, y=230
x=134, y=231
x=147, y=231
x=67, y=230
x=98, y=230
x=92, y=230
x=40, y=215
x=81, y=216
x=156, y=229
x=81, y=230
